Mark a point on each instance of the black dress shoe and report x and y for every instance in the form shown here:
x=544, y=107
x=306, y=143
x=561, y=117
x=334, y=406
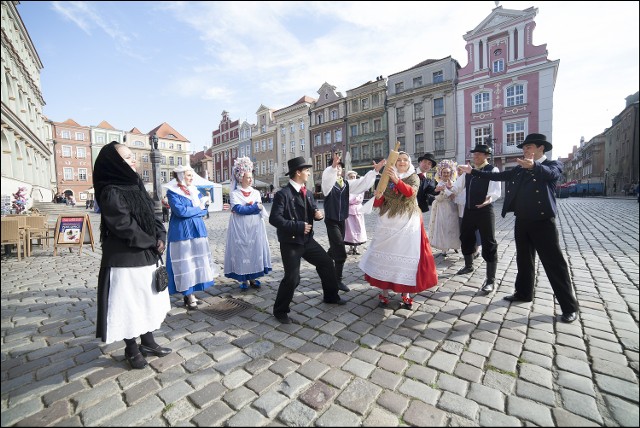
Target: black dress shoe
x=158, y=351
x=337, y=302
x=343, y=287
x=465, y=269
x=569, y=317
x=137, y=361
x=515, y=298
x=487, y=287
x=284, y=319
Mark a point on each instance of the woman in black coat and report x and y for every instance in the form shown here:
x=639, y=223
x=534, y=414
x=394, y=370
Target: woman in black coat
x=132, y=240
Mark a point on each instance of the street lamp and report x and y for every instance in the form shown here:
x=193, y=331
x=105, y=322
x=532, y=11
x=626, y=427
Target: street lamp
x=606, y=175
x=155, y=171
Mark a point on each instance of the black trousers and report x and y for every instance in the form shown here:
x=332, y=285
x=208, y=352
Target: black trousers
x=483, y=220
x=292, y=255
x=335, y=233
x=541, y=236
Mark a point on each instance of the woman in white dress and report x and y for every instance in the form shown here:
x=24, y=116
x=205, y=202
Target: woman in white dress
x=355, y=233
x=399, y=256
x=444, y=230
x=246, y=255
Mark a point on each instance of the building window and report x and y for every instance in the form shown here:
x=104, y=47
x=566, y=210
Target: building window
x=334, y=114
x=270, y=166
x=282, y=130
x=354, y=106
x=293, y=146
x=301, y=145
x=355, y=153
x=438, y=77
x=354, y=130
x=377, y=125
x=438, y=106
x=365, y=103
x=256, y=147
x=318, y=118
x=481, y=133
x=365, y=127
x=418, y=111
x=419, y=138
x=241, y=152
x=179, y=158
x=317, y=140
x=438, y=122
x=419, y=125
x=481, y=102
x=171, y=160
x=301, y=125
x=145, y=176
x=338, y=135
x=399, y=87
x=515, y=95
x=417, y=82
x=65, y=134
x=82, y=174
x=375, y=100
x=400, y=129
x=264, y=145
x=270, y=143
x=366, y=153
x=138, y=143
x=99, y=138
x=377, y=150
x=318, y=163
x=327, y=137
x=498, y=66
x=145, y=157
x=438, y=140
x=81, y=152
x=400, y=115
x=79, y=136
x=163, y=161
x=66, y=151
x=515, y=133
x=68, y=174
x=292, y=129
x=163, y=176
x=328, y=160
x=402, y=143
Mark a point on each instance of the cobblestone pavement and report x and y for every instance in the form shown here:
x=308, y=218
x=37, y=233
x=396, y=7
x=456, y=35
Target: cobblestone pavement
x=457, y=358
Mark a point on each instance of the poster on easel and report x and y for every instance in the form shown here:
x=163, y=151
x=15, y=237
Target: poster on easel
x=73, y=231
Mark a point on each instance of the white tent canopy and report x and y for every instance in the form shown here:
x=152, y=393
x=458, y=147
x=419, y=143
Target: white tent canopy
x=256, y=183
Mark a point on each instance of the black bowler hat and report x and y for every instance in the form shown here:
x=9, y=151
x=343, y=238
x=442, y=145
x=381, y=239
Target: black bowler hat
x=538, y=140
x=296, y=164
x=482, y=148
x=430, y=158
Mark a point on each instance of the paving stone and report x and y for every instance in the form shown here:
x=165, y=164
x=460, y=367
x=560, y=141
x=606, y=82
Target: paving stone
x=581, y=404
x=530, y=411
x=297, y=414
x=338, y=416
x=317, y=396
x=422, y=414
x=624, y=413
x=359, y=396
x=487, y=396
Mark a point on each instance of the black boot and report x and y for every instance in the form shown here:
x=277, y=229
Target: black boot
x=468, y=265
x=487, y=287
x=341, y=286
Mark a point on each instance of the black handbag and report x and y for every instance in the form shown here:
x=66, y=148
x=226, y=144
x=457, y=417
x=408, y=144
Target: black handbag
x=161, y=276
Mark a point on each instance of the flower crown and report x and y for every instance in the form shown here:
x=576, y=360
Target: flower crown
x=451, y=165
x=240, y=166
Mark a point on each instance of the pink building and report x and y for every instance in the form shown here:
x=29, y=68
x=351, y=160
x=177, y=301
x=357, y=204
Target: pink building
x=506, y=89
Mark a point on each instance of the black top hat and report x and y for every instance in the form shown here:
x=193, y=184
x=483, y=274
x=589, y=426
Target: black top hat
x=482, y=148
x=296, y=164
x=538, y=140
x=430, y=158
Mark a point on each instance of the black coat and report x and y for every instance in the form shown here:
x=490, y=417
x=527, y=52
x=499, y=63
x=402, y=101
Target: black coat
x=426, y=193
x=534, y=188
x=290, y=212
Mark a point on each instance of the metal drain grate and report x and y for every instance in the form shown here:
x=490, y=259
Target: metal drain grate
x=226, y=308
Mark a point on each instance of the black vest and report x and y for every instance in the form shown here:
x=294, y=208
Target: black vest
x=336, y=203
x=477, y=189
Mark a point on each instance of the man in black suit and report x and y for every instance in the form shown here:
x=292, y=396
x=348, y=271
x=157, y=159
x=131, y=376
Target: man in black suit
x=336, y=192
x=427, y=190
x=480, y=194
x=531, y=196
x=292, y=213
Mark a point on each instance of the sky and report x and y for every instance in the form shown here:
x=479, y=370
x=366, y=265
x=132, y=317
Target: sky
x=139, y=64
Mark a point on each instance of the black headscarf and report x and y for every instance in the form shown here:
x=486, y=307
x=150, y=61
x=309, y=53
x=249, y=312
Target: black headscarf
x=111, y=169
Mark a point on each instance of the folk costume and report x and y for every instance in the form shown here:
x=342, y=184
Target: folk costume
x=189, y=261
x=355, y=232
x=128, y=304
x=427, y=190
x=246, y=254
x=399, y=256
x=444, y=228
